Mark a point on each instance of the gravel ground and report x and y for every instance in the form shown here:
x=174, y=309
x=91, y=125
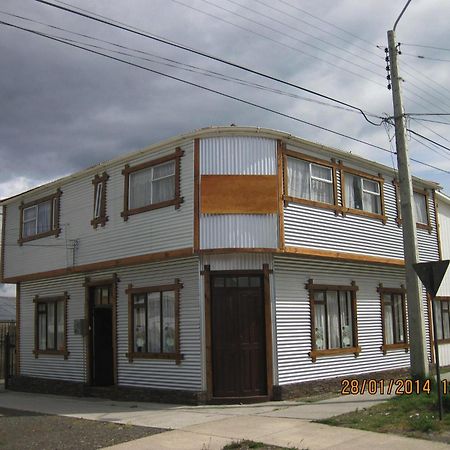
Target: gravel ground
x=29, y=430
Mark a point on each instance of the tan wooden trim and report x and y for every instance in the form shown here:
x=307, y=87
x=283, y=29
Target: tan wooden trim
x=361, y=212
x=110, y=264
x=298, y=155
x=103, y=218
x=430, y=327
x=386, y=290
x=55, y=212
x=139, y=355
x=176, y=201
x=196, y=194
x=314, y=354
x=18, y=328
x=281, y=178
x=311, y=286
x=360, y=173
x=382, y=202
x=239, y=194
x=3, y=240
x=401, y=346
x=438, y=223
x=208, y=338
x=442, y=298
x=313, y=203
x=342, y=256
x=268, y=326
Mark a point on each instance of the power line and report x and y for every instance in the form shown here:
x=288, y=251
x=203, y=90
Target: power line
x=429, y=58
x=200, y=53
x=214, y=91
x=428, y=139
x=426, y=46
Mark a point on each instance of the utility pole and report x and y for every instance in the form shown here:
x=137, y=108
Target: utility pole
x=416, y=320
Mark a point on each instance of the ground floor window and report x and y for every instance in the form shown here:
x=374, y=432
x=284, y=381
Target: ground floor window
x=442, y=311
x=333, y=319
x=393, y=317
x=51, y=325
x=154, y=321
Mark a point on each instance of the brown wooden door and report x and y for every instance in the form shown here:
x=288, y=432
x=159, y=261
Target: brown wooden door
x=238, y=336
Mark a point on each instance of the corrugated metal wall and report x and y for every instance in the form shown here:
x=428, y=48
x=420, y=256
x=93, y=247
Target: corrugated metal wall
x=293, y=319
x=444, y=222
x=145, y=373
x=152, y=231
x=238, y=155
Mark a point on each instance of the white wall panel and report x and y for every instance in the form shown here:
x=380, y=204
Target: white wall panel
x=238, y=155
x=444, y=222
x=251, y=261
x=145, y=373
x=293, y=319
x=444, y=354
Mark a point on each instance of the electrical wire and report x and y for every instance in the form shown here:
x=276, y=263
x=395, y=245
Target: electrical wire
x=422, y=57
x=428, y=139
x=426, y=46
x=200, y=53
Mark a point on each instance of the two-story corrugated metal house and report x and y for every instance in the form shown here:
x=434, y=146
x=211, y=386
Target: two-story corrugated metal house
x=226, y=263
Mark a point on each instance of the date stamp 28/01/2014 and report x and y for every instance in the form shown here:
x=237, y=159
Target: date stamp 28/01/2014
x=399, y=386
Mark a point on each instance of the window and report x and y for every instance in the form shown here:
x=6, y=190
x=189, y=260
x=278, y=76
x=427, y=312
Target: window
x=51, y=325
x=421, y=208
x=333, y=319
x=151, y=185
x=442, y=311
x=154, y=322
x=99, y=215
x=363, y=194
x=393, y=316
x=310, y=181
x=40, y=218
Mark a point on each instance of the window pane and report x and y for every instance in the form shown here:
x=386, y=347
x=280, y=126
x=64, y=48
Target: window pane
x=255, y=281
x=388, y=320
x=243, y=281
x=60, y=326
x=437, y=309
x=44, y=222
x=322, y=172
x=42, y=325
x=371, y=186
x=319, y=322
x=139, y=324
x=140, y=188
x=219, y=282
x=333, y=320
x=168, y=304
x=346, y=319
x=29, y=221
x=445, y=320
x=164, y=170
x=398, y=326
x=98, y=200
x=51, y=326
x=371, y=203
x=163, y=190
x=231, y=282
x=353, y=191
x=298, y=178
x=154, y=322
x=321, y=191
x=421, y=208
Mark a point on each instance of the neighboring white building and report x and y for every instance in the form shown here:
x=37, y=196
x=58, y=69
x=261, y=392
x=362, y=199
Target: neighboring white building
x=225, y=263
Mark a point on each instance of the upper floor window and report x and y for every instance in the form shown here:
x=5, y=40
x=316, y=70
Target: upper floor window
x=333, y=319
x=362, y=194
x=421, y=208
x=442, y=310
x=40, y=218
x=151, y=185
x=51, y=325
x=99, y=214
x=154, y=321
x=310, y=181
x=393, y=316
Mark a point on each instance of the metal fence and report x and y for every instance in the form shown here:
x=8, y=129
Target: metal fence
x=7, y=350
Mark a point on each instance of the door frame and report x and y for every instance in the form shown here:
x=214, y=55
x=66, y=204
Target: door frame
x=88, y=284
x=265, y=272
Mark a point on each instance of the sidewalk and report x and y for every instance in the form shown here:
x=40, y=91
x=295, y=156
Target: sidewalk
x=211, y=427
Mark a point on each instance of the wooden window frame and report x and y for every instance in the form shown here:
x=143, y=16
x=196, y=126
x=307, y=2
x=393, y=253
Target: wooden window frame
x=131, y=291
x=176, y=201
x=442, y=300
x=393, y=291
x=55, y=201
x=312, y=160
x=352, y=288
x=422, y=226
x=37, y=300
x=360, y=212
x=102, y=217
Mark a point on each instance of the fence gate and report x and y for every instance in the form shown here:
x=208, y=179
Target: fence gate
x=7, y=351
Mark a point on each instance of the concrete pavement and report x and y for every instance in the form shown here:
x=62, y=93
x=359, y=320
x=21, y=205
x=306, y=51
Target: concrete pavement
x=284, y=423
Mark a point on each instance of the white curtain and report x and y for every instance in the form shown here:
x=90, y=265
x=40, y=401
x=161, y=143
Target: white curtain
x=44, y=217
x=51, y=326
x=140, y=186
x=350, y=188
x=60, y=325
x=29, y=221
x=319, y=322
x=446, y=319
x=154, y=322
x=42, y=319
x=346, y=319
x=163, y=182
x=437, y=309
x=333, y=320
x=388, y=320
x=168, y=304
x=298, y=178
x=421, y=208
x=321, y=190
x=139, y=324
x=398, y=311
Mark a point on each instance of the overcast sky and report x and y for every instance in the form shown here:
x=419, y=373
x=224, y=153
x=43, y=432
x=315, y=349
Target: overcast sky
x=64, y=109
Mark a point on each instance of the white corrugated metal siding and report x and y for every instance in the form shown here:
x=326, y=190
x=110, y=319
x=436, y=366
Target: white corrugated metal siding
x=145, y=373
x=238, y=155
x=444, y=222
x=293, y=319
x=152, y=231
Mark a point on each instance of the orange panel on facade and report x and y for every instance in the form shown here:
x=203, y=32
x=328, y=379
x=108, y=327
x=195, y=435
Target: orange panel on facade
x=239, y=194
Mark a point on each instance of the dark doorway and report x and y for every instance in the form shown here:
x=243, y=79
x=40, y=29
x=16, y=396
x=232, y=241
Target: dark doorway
x=238, y=336
x=101, y=336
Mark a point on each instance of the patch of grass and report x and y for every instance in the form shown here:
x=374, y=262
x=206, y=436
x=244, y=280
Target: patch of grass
x=409, y=415
x=246, y=444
